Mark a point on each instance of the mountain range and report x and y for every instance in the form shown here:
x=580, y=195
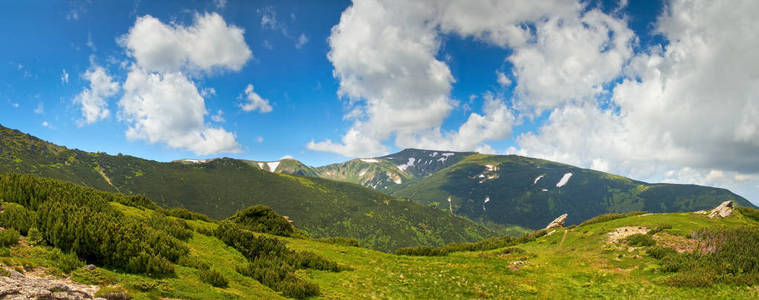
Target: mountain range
x=413, y=197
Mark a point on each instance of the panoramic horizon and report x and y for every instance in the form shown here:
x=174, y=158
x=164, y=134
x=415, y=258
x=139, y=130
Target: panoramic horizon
x=651, y=90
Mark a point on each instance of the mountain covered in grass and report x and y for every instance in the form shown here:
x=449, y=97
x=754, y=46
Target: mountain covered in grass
x=120, y=246
x=220, y=187
x=502, y=190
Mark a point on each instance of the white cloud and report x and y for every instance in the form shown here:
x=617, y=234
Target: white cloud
x=218, y=117
x=167, y=108
x=220, y=4
x=385, y=57
x=92, y=99
x=161, y=103
x=502, y=79
x=45, y=124
x=260, y=139
x=15, y=104
x=40, y=109
x=64, y=76
x=286, y=157
x=254, y=101
x=209, y=44
x=302, y=41
x=688, y=106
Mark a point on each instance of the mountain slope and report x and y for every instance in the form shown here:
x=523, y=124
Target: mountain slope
x=597, y=259
x=220, y=187
x=531, y=192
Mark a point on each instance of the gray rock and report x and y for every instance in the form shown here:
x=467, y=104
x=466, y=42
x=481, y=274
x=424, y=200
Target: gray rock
x=90, y=267
x=20, y=286
x=558, y=222
x=723, y=210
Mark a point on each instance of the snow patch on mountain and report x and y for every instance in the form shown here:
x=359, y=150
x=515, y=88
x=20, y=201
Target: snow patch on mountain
x=564, y=179
x=433, y=154
x=261, y=165
x=362, y=173
x=369, y=160
x=272, y=165
x=405, y=166
x=538, y=179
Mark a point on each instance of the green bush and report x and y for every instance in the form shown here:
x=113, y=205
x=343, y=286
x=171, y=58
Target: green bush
x=191, y=262
x=260, y=218
x=483, y=245
x=176, y=228
x=659, y=228
x=639, y=240
x=727, y=255
x=65, y=262
x=280, y=277
x=18, y=217
x=213, y=278
x=185, y=214
x=751, y=213
x=609, y=217
x=9, y=237
x=659, y=252
x=342, y=241
x=34, y=237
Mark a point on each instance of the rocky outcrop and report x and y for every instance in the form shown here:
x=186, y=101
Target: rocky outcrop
x=558, y=222
x=20, y=286
x=723, y=210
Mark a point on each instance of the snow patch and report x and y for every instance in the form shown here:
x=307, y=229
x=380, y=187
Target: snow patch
x=272, y=165
x=369, y=160
x=261, y=165
x=433, y=154
x=564, y=179
x=405, y=166
x=397, y=180
x=448, y=154
x=362, y=173
x=545, y=190
x=487, y=199
x=538, y=179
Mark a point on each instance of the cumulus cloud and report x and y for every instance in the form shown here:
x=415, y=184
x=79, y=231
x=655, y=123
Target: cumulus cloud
x=384, y=55
x=301, y=41
x=93, y=99
x=161, y=103
x=687, y=109
x=209, y=44
x=167, y=108
x=254, y=101
x=502, y=79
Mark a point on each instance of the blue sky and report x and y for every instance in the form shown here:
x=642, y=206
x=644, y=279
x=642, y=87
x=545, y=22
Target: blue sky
x=609, y=85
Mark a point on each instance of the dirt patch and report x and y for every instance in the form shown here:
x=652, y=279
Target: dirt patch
x=679, y=243
x=622, y=232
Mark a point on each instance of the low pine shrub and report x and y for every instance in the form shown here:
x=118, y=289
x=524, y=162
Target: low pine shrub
x=34, y=237
x=342, y=241
x=9, y=237
x=213, y=278
x=191, y=262
x=18, y=217
x=659, y=252
x=422, y=251
x=659, y=228
x=260, y=218
x=65, y=262
x=639, y=240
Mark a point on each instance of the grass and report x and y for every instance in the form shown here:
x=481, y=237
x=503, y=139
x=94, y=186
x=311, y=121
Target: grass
x=583, y=266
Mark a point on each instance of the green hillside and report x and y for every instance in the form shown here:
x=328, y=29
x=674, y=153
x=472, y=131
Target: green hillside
x=220, y=187
x=672, y=256
x=529, y=192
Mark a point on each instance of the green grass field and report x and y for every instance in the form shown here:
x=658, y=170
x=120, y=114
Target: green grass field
x=576, y=262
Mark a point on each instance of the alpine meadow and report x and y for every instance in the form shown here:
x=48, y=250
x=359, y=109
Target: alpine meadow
x=379, y=149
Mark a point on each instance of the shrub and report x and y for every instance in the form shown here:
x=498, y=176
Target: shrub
x=260, y=218
x=213, y=278
x=609, y=217
x=639, y=240
x=186, y=214
x=659, y=252
x=191, y=262
x=9, y=237
x=659, y=228
x=65, y=262
x=279, y=276
x=176, y=228
x=18, y=217
x=751, y=213
x=343, y=241
x=34, y=237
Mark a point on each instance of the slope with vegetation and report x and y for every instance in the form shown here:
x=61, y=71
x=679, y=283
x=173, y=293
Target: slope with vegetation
x=220, y=187
x=510, y=189
x=255, y=255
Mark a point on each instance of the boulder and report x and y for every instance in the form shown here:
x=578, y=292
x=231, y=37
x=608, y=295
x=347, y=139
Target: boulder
x=723, y=210
x=21, y=286
x=558, y=222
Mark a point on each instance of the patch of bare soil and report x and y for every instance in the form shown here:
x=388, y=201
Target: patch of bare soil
x=622, y=232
